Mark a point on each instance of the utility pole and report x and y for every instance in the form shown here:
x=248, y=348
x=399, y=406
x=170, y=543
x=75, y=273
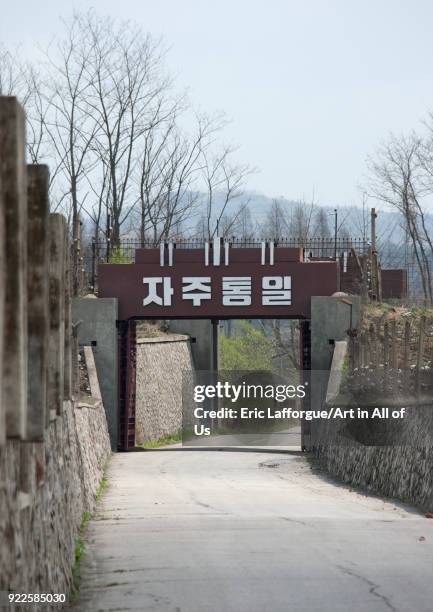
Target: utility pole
x=93, y=279
x=76, y=256
x=373, y=230
x=108, y=237
x=335, y=232
x=375, y=274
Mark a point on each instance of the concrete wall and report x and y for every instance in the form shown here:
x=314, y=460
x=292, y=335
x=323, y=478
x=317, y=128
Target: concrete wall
x=330, y=320
x=161, y=363
x=402, y=467
x=98, y=328
x=201, y=330
x=44, y=489
x=52, y=445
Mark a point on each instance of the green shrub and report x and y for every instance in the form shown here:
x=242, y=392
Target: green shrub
x=247, y=349
x=121, y=256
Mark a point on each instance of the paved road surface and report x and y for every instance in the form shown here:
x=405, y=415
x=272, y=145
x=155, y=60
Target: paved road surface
x=234, y=531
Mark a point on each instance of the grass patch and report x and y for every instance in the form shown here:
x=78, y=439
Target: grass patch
x=102, y=487
x=345, y=366
x=173, y=438
x=376, y=307
x=420, y=311
x=80, y=540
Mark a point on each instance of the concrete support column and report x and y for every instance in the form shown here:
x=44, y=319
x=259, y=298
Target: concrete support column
x=70, y=362
x=330, y=320
x=331, y=317
x=37, y=290
x=14, y=192
x=2, y=306
x=215, y=351
x=200, y=331
x=94, y=322
x=56, y=367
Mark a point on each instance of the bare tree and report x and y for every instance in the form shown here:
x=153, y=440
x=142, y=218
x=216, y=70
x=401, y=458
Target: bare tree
x=398, y=179
x=223, y=185
x=321, y=223
x=301, y=222
x=13, y=80
x=361, y=218
x=70, y=126
x=102, y=113
x=243, y=225
x=97, y=209
x=21, y=79
x=127, y=97
x=168, y=173
x=277, y=221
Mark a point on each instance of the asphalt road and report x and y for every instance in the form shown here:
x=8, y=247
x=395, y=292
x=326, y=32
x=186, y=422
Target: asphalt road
x=239, y=530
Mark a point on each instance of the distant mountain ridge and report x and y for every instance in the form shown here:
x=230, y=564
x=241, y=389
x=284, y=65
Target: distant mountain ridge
x=354, y=220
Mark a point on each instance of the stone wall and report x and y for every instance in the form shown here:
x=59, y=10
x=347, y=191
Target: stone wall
x=405, y=473
x=160, y=363
x=402, y=467
x=45, y=487
x=53, y=442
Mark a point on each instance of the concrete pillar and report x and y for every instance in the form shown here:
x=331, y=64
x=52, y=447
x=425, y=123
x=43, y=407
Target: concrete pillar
x=56, y=363
x=37, y=290
x=2, y=305
x=330, y=320
x=200, y=331
x=68, y=364
x=215, y=351
x=95, y=325
x=14, y=190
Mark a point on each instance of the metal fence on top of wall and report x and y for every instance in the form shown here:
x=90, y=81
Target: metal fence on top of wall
x=325, y=248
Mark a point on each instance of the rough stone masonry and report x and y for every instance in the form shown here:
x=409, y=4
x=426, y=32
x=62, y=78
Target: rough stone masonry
x=161, y=364
x=53, y=446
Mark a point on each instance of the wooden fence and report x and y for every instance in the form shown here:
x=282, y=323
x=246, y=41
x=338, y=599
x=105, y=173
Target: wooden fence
x=399, y=350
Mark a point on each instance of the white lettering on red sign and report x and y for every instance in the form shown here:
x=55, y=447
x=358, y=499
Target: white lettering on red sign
x=276, y=291
x=153, y=296
x=196, y=288
x=236, y=290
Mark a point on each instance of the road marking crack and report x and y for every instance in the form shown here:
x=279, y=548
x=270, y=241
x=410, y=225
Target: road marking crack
x=373, y=587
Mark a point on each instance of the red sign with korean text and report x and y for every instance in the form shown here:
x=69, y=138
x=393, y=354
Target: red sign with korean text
x=204, y=283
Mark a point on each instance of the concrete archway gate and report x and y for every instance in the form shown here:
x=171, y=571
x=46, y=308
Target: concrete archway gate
x=214, y=282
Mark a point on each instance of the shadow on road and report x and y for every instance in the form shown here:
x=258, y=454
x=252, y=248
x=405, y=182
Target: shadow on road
x=225, y=449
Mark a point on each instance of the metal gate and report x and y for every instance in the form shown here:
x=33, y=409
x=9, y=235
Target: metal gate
x=305, y=328
x=126, y=384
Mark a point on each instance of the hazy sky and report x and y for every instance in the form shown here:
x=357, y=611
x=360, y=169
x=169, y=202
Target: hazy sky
x=311, y=86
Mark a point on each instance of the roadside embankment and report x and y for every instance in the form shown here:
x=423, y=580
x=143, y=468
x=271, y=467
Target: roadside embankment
x=388, y=363
x=45, y=488
x=162, y=361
